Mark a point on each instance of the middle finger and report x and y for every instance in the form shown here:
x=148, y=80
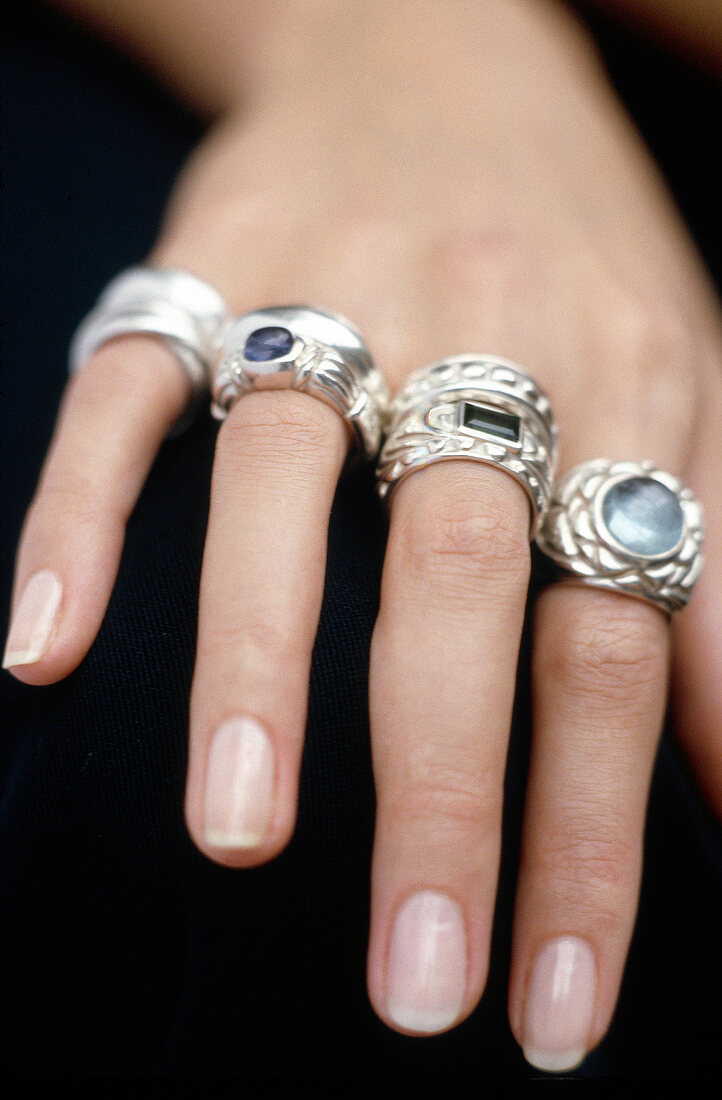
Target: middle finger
x=443, y=664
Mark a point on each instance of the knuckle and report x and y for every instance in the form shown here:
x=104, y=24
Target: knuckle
x=289, y=425
x=76, y=503
x=255, y=638
x=464, y=535
x=646, y=328
x=367, y=230
x=590, y=863
x=607, y=656
x=242, y=209
x=657, y=351
x=668, y=333
x=481, y=261
x=453, y=796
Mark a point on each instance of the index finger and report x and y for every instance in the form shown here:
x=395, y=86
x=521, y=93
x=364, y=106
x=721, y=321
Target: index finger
x=115, y=414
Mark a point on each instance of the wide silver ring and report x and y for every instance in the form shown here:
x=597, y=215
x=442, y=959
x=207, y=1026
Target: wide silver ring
x=627, y=527
x=479, y=407
x=188, y=313
x=296, y=347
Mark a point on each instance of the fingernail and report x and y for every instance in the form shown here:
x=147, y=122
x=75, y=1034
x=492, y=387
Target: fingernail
x=559, y=1005
x=35, y=620
x=239, y=785
x=426, y=979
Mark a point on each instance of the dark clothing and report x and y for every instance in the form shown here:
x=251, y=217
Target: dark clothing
x=122, y=950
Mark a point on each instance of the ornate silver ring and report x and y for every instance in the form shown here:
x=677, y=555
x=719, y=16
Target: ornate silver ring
x=188, y=313
x=478, y=407
x=319, y=353
x=628, y=527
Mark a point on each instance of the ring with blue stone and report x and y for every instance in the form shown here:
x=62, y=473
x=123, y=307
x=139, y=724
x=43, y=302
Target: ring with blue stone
x=627, y=527
x=311, y=350
x=477, y=407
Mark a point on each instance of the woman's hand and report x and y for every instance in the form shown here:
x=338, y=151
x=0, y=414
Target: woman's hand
x=461, y=182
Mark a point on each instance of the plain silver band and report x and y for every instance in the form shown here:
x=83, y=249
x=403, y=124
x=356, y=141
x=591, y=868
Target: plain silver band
x=574, y=536
x=188, y=313
x=328, y=360
x=427, y=427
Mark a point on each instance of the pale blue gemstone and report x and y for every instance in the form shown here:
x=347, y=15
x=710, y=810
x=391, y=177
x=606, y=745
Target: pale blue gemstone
x=643, y=515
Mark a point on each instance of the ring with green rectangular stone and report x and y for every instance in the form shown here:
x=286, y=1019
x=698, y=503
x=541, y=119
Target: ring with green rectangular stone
x=627, y=527
x=478, y=407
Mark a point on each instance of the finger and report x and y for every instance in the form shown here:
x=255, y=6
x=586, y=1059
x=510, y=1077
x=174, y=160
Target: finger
x=278, y=459
x=697, y=637
x=117, y=410
x=443, y=664
x=599, y=680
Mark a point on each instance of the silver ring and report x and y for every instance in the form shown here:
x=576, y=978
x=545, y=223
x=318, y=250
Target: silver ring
x=627, y=527
x=188, y=313
x=478, y=407
x=296, y=347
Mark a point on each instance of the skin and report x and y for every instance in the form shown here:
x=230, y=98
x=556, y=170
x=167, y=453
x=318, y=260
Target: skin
x=479, y=188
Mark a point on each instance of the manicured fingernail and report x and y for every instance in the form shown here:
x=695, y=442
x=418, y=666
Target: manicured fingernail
x=559, y=1005
x=239, y=785
x=426, y=979
x=35, y=620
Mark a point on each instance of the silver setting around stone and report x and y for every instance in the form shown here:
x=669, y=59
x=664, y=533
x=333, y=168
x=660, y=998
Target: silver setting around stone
x=479, y=407
x=183, y=310
x=311, y=350
x=627, y=527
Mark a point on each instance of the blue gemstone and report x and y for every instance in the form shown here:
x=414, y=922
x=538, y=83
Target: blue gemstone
x=268, y=343
x=643, y=515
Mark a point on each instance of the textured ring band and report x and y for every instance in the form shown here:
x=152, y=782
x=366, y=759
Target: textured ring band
x=296, y=347
x=175, y=305
x=627, y=527
x=478, y=407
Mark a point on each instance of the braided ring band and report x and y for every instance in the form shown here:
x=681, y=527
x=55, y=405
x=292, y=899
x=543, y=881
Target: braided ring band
x=317, y=352
x=627, y=527
x=478, y=407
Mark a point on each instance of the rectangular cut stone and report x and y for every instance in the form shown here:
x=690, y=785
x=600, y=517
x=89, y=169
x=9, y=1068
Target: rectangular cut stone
x=488, y=421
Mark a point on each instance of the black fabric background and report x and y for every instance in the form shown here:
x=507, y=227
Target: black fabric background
x=122, y=950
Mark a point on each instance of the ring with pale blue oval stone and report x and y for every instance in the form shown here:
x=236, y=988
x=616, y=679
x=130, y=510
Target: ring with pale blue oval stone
x=188, y=314
x=477, y=407
x=627, y=527
x=310, y=350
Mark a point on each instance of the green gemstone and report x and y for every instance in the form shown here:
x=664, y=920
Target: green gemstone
x=488, y=421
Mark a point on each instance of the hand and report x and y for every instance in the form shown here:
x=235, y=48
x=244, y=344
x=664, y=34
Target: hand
x=447, y=195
